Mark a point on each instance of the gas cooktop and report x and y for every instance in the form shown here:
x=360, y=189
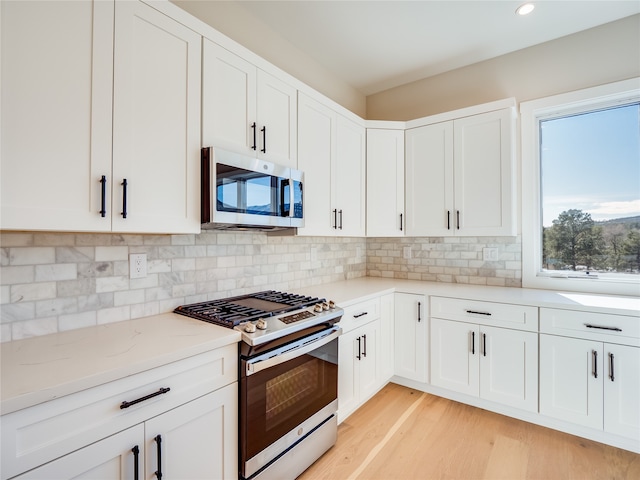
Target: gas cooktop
x=264, y=316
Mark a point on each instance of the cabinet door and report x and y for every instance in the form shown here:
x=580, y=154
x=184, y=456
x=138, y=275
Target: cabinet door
x=368, y=363
x=57, y=70
x=429, y=180
x=316, y=132
x=108, y=459
x=622, y=390
x=156, y=124
x=348, y=386
x=348, y=178
x=484, y=174
x=571, y=380
x=455, y=356
x=509, y=367
x=411, y=342
x=277, y=114
x=385, y=173
x=228, y=100
x=197, y=440
x=386, y=338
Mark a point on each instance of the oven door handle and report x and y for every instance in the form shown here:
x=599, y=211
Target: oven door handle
x=259, y=365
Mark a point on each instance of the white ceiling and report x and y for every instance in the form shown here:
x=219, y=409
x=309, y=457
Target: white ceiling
x=376, y=45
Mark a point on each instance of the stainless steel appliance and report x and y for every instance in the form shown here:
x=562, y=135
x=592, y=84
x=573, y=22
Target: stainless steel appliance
x=241, y=192
x=288, y=388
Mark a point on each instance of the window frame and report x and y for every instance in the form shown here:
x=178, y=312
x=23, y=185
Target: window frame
x=531, y=112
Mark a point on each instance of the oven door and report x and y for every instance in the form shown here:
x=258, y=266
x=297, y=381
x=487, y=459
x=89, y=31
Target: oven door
x=284, y=395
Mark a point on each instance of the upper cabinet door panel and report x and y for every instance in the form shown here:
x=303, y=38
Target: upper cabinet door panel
x=429, y=180
x=156, y=126
x=484, y=174
x=277, y=113
x=56, y=122
x=228, y=100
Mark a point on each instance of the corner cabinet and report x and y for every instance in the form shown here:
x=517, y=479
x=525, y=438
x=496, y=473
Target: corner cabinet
x=181, y=422
x=247, y=110
x=385, y=173
x=590, y=370
x=331, y=153
x=111, y=130
x=460, y=176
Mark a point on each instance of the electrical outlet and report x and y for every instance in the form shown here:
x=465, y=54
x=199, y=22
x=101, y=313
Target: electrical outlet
x=490, y=254
x=406, y=253
x=137, y=265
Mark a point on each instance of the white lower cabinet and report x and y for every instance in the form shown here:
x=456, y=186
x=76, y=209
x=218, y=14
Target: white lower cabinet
x=496, y=364
x=411, y=341
x=591, y=383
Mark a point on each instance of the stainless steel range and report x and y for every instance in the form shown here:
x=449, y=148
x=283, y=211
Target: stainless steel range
x=288, y=387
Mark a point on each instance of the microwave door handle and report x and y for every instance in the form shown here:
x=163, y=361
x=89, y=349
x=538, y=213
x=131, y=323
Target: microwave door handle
x=292, y=186
x=284, y=212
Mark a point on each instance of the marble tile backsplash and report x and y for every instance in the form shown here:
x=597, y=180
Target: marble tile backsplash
x=63, y=281
x=447, y=259
x=51, y=282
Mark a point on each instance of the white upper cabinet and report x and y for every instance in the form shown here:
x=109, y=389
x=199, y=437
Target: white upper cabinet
x=93, y=94
x=460, y=176
x=331, y=153
x=156, y=120
x=247, y=110
x=56, y=121
x=385, y=173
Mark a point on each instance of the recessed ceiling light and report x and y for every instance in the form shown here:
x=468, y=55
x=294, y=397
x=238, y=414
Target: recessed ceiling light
x=525, y=9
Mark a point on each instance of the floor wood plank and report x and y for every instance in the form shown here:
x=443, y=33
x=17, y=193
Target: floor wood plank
x=442, y=439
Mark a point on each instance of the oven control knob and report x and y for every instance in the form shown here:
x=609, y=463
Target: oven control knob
x=317, y=307
x=332, y=304
x=261, y=324
x=250, y=327
x=325, y=306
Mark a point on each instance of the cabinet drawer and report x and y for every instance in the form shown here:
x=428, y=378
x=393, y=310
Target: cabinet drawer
x=360, y=314
x=591, y=326
x=41, y=433
x=520, y=317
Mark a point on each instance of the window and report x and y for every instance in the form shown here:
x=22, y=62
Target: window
x=581, y=190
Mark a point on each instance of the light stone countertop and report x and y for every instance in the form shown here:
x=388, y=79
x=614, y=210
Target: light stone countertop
x=39, y=369
x=348, y=292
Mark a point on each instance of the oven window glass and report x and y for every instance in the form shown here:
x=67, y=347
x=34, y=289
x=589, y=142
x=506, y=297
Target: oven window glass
x=280, y=398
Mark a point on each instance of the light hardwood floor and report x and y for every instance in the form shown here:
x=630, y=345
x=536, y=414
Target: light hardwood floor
x=406, y=434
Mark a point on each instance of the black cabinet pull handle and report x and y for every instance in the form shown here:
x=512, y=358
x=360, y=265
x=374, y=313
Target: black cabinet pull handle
x=419, y=311
x=611, y=376
x=340, y=212
x=484, y=344
x=458, y=219
x=103, y=196
x=264, y=139
x=253, y=127
x=136, y=465
x=335, y=218
x=364, y=352
x=400, y=222
x=124, y=198
x=359, y=356
x=594, y=359
x=600, y=327
x=473, y=343
x=142, y=399
x=478, y=313
x=448, y=220
x=158, y=472
x=358, y=315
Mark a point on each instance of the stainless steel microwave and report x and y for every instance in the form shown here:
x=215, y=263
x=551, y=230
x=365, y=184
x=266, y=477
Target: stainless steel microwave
x=244, y=193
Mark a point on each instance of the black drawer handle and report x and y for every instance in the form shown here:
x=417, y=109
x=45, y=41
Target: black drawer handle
x=478, y=313
x=358, y=315
x=600, y=327
x=142, y=399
